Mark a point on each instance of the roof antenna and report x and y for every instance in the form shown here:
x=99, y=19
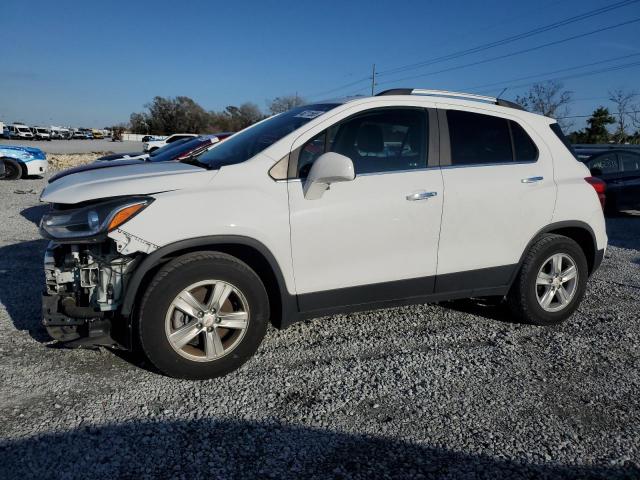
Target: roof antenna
x=503, y=90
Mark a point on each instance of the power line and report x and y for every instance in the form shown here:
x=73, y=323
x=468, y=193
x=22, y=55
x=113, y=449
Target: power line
x=319, y=94
x=536, y=75
x=591, y=114
x=364, y=79
x=584, y=74
x=511, y=39
x=512, y=54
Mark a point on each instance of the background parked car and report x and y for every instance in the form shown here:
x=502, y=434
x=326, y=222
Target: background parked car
x=21, y=161
x=181, y=150
x=620, y=170
x=41, y=133
x=152, y=145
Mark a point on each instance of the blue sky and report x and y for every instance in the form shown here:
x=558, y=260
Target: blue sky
x=93, y=63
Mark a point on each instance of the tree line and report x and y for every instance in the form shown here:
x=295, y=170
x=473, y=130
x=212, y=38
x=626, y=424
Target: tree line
x=164, y=116
x=619, y=125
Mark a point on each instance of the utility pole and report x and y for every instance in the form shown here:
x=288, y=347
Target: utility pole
x=373, y=78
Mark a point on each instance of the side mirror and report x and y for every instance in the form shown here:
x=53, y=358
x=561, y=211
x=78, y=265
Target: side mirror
x=329, y=168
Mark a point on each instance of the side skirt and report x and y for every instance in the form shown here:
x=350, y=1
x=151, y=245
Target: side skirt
x=474, y=283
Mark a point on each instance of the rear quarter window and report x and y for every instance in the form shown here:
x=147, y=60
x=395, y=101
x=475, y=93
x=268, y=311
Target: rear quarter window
x=555, y=128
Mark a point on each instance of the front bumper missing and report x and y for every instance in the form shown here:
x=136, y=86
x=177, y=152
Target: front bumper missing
x=83, y=332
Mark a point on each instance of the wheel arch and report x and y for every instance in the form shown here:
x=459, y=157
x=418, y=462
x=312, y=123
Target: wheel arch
x=578, y=231
x=21, y=164
x=252, y=252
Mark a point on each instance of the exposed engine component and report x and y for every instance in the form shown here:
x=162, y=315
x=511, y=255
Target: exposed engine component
x=87, y=276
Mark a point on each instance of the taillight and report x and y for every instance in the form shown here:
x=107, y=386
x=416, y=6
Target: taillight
x=600, y=187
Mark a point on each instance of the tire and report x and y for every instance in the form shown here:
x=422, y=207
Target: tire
x=526, y=297
x=158, y=314
x=13, y=170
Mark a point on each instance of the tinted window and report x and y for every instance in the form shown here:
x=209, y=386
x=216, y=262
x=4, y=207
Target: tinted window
x=630, y=161
x=178, y=137
x=555, y=128
x=605, y=163
x=524, y=148
x=385, y=140
x=477, y=138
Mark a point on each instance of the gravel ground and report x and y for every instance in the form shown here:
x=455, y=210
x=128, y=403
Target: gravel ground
x=78, y=146
x=432, y=391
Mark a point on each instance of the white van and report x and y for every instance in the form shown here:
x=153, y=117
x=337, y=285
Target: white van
x=20, y=131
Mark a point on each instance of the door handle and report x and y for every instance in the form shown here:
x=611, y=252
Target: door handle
x=532, y=180
x=421, y=196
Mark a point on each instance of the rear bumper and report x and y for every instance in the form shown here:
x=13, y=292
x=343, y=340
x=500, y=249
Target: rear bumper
x=597, y=260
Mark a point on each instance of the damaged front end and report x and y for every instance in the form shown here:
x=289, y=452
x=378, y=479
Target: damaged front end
x=87, y=267
x=84, y=287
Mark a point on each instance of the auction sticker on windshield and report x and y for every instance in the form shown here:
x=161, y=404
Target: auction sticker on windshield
x=310, y=114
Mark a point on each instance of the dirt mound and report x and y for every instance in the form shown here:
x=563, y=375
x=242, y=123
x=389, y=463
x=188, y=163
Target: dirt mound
x=61, y=161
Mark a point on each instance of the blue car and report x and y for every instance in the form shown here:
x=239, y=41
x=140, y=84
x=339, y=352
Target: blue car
x=22, y=161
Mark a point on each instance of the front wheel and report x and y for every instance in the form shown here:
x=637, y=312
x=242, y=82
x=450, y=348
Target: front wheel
x=203, y=315
x=13, y=170
x=551, y=281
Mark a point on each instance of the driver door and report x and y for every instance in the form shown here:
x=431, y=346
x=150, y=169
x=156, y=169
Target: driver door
x=373, y=239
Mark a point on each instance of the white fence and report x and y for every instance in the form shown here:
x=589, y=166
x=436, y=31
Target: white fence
x=133, y=137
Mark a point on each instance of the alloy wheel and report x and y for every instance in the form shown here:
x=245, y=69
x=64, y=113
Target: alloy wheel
x=207, y=320
x=557, y=282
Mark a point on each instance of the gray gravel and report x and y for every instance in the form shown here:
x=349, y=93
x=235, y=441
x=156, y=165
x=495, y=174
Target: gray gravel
x=432, y=391
x=78, y=146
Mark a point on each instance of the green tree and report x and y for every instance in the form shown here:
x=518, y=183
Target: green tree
x=597, y=131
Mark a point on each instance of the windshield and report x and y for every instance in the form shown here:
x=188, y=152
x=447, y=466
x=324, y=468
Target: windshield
x=24, y=129
x=251, y=141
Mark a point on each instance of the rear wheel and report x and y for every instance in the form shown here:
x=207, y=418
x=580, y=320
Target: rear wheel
x=13, y=170
x=203, y=316
x=551, y=281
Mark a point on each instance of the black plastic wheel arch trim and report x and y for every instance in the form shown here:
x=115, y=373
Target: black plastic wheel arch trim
x=167, y=252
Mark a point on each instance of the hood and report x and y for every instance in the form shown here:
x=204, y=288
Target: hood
x=94, y=166
x=132, y=179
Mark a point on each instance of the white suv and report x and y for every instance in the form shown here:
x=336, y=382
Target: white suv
x=410, y=196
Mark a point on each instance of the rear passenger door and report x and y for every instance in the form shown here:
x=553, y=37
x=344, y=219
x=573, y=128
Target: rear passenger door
x=499, y=192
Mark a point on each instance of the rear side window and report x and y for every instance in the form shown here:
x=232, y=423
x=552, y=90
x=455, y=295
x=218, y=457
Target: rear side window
x=484, y=139
x=523, y=147
x=630, y=161
x=605, y=163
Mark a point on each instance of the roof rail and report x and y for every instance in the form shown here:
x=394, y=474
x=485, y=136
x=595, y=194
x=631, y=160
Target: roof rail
x=446, y=93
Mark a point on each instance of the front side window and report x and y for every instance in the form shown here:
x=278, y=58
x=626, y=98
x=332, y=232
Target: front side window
x=605, y=163
x=478, y=139
x=384, y=140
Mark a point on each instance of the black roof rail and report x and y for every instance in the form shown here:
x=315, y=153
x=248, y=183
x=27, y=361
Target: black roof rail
x=445, y=93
